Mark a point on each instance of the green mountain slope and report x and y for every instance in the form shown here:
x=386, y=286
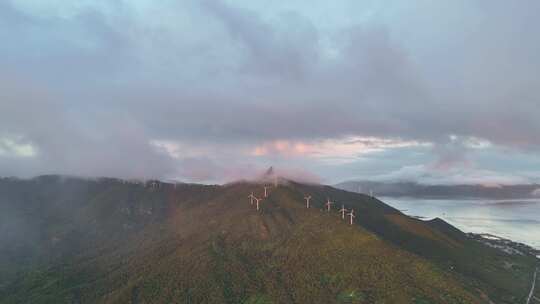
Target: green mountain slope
x=67, y=240
x=505, y=278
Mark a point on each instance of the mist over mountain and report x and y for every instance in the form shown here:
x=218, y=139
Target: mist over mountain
x=413, y=189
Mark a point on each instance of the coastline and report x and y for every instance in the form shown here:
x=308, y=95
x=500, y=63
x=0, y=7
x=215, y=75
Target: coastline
x=505, y=245
x=513, y=220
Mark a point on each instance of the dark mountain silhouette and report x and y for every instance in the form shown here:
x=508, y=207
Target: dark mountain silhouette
x=412, y=189
x=269, y=172
x=72, y=240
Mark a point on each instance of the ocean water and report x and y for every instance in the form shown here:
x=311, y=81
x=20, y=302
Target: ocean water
x=515, y=219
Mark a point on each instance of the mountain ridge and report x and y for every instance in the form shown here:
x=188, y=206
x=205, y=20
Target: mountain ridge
x=463, y=191
x=108, y=241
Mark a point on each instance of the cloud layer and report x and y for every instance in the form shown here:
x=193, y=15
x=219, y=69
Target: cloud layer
x=210, y=90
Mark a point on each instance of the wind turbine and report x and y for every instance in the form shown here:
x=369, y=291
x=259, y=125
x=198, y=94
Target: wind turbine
x=328, y=204
x=307, y=198
x=257, y=201
x=351, y=214
x=343, y=210
x=265, y=191
x=251, y=197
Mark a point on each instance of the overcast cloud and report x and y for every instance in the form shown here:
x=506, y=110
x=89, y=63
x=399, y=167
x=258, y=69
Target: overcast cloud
x=215, y=90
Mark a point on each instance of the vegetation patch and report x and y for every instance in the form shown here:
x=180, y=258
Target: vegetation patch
x=258, y=299
x=351, y=296
x=421, y=300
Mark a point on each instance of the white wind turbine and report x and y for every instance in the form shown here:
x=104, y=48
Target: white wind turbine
x=257, y=201
x=265, y=191
x=328, y=204
x=351, y=215
x=307, y=198
x=342, y=210
x=251, y=197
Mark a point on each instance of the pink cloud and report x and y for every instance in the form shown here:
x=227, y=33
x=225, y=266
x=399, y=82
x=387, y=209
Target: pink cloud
x=347, y=148
x=283, y=148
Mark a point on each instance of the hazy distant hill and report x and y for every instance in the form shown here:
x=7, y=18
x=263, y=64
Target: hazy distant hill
x=412, y=189
x=69, y=240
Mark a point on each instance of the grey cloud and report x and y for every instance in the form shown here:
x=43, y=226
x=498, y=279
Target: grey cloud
x=283, y=54
x=69, y=145
x=91, y=91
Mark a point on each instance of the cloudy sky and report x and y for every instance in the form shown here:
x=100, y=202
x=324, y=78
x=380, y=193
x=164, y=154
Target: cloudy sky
x=214, y=90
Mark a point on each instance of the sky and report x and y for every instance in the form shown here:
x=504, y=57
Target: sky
x=439, y=92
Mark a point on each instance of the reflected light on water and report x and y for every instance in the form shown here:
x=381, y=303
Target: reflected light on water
x=518, y=220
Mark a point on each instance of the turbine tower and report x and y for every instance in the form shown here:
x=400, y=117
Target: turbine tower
x=342, y=210
x=351, y=214
x=265, y=191
x=328, y=204
x=257, y=201
x=307, y=198
x=251, y=197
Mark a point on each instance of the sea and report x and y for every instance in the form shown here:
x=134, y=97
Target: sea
x=514, y=219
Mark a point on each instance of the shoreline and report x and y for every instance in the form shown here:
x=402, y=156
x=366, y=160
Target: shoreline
x=503, y=237
x=488, y=237
x=503, y=224
x=505, y=245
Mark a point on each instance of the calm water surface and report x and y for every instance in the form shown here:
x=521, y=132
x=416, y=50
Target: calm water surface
x=518, y=220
